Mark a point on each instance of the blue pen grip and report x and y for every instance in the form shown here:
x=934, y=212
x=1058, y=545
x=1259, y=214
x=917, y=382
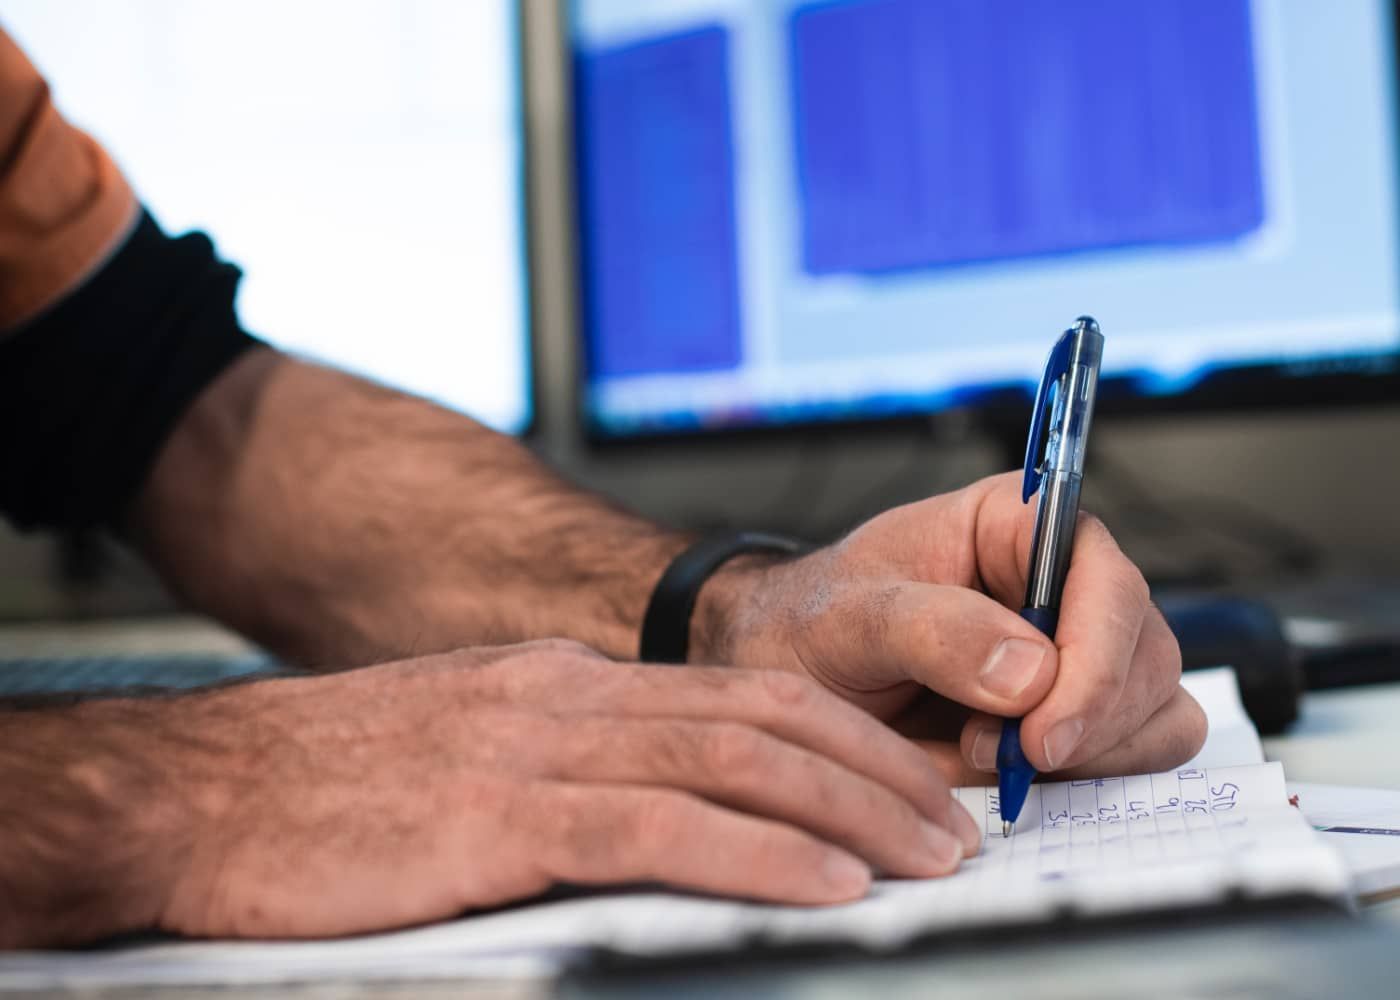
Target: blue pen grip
x=1045, y=619
x=1009, y=755
x=1014, y=772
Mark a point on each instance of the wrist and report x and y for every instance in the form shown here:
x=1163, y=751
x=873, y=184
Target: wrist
x=138, y=788
x=97, y=836
x=729, y=607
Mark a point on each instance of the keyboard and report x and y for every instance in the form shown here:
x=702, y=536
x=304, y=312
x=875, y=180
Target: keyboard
x=65, y=674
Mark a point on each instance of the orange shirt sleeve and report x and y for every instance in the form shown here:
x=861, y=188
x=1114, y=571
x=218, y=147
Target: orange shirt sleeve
x=64, y=205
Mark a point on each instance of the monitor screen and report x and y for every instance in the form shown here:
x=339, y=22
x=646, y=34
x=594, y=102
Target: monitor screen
x=362, y=162
x=798, y=210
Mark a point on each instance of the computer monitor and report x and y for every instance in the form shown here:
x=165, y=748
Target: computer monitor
x=363, y=162
x=811, y=210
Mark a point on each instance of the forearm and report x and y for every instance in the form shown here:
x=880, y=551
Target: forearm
x=90, y=830
x=340, y=522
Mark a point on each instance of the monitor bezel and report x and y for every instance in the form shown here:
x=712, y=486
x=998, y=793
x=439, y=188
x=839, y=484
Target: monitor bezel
x=529, y=250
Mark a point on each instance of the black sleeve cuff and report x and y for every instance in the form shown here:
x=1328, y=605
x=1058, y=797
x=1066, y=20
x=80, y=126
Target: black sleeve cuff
x=91, y=389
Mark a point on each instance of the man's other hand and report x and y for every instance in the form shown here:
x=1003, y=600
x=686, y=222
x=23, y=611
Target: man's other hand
x=914, y=617
x=411, y=791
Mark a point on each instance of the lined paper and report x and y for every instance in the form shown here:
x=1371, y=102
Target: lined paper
x=1181, y=837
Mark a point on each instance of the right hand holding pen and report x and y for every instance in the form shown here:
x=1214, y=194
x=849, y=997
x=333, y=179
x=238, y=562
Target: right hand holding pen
x=417, y=790
x=914, y=617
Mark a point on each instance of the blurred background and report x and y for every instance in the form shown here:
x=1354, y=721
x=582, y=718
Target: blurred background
x=784, y=263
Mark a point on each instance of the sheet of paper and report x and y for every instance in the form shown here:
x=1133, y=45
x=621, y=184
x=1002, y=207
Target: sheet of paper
x=1101, y=847
x=1362, y=825
x=1232, y=738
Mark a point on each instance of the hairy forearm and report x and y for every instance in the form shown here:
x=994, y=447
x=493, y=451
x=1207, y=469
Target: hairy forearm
x=89, y=829
x=340, y=522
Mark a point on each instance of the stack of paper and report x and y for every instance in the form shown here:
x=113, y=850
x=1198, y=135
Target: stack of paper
x=1361, y=824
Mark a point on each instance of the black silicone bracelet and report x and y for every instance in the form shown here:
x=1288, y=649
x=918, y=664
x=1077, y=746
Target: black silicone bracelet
x=666, y=625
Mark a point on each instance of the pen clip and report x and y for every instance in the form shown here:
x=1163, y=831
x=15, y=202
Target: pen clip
x=1056, y=367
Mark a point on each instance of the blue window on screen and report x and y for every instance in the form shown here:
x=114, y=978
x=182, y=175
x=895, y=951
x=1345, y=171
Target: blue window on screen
x=933, y=134
x=656, y=198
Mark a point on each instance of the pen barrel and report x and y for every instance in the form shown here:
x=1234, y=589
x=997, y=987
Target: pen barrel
x=1054, y=533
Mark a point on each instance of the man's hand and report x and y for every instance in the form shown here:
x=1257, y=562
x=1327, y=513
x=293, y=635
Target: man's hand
x=412, y=791
x=914, y=617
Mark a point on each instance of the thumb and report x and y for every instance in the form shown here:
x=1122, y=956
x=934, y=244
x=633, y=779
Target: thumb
x=952, y=640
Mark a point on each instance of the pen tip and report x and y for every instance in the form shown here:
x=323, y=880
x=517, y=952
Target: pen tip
x=1005, y=828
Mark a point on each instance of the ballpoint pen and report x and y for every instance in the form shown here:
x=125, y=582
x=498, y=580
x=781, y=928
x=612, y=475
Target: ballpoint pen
x=1067, y=389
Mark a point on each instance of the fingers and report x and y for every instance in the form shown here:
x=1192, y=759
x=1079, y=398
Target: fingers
x=1173, y=734
x=1101, y=619
x=749, y=770
x=1153, y=679
x=791, y=708
x=599, y=834
x=950, y=760
x=1118, y=662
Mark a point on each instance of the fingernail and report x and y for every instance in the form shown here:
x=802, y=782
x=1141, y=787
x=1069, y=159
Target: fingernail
x=967, y=830
x=984, y=749
x=1012, y=666
x=1061, y=740
x=845, y=876
x=945, y=849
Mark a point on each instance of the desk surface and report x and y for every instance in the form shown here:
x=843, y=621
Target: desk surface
x=1350, y=736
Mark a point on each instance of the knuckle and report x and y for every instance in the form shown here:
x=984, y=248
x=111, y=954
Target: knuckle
x=1168, y=654
x=1127, y=605
x=1130, y=580
x=1105, y=687
x=551, y=664
x=1195, y=730
x=733, y=748
x=1132, y=586
x=502, y=680
x=788, y=690
x=582, y=832
x=671, y=746
x=1140, y=589
x=1093, y=526
x=658, y=821
x=552, y=648
x=494, y=724
x=778, y=853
